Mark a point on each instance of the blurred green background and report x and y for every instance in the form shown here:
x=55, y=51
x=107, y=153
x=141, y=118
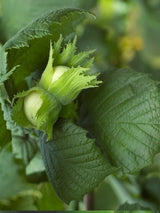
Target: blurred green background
x=125, y=33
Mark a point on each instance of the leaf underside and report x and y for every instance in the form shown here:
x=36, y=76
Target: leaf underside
x=24, y=147
x=74, y=164
x=124, y=116
x=15, y=18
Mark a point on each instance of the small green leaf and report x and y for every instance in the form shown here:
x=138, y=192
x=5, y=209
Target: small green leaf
x=5, y=135
x=4, y=75
x=123, y=114
x=74, y=164
x=46, y=78
x=3, y=65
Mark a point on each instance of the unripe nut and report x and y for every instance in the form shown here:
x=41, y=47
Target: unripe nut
x=58, y=72
x=32, y=103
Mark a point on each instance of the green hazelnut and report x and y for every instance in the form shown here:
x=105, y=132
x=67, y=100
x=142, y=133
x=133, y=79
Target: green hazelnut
x=58, y=72
x=32, y=103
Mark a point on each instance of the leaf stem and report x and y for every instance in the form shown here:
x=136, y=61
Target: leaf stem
x=89, y=201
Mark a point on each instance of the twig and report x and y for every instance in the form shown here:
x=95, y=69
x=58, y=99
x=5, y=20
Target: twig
x=89, y=201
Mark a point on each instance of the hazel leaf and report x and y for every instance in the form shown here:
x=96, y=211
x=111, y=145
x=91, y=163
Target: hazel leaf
x=123, y=115
x=74, y=164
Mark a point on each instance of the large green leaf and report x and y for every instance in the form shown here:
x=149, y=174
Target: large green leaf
x=14, y=18
x=74, y=164
x=124, y=116
x=29, y=48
